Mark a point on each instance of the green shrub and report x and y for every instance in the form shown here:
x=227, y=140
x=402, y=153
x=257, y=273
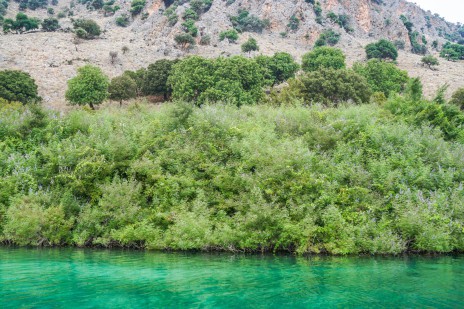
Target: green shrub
x=250, y=45
x=50, y=24
x=236, y=80
x=185, y=40
x=137, y=6
x=375, y=179
x=430, y=61
x=21, y=24
x=323, y=57
x=123, y=20
x=331, y=87
x=382, y=49
x=246, y=22
x=328, y=37
x=231, y=35
x=90, y=27
x=18, y=86
x=382, y=76
x=458, y=98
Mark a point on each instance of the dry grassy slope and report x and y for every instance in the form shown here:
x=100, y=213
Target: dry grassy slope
x=52, y=58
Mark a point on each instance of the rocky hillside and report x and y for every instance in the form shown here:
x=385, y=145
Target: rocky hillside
x=290, y=25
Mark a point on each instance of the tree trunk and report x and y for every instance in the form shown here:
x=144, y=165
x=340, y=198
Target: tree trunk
x=91, y=106
x=120, y=103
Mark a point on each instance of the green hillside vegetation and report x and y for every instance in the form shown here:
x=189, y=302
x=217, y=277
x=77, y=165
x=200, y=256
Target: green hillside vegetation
x=338, y=161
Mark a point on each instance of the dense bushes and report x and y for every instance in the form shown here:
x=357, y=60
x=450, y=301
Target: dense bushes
x=331, y=87
x=236, y=80
x=86, y=28
x=340, y=180
x=328, y=37
x=382, y=49
x=245, y=21
x=18, y=86
x=323, y=58
x=382, y=76
x=21, y=24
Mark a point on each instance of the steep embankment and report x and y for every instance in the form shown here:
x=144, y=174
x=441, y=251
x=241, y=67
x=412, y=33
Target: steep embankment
x=53, y=57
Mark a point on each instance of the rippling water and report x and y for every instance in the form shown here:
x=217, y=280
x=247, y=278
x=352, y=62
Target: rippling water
x=71, y=278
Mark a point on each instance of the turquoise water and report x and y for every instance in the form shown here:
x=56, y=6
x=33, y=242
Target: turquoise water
x=71, y=278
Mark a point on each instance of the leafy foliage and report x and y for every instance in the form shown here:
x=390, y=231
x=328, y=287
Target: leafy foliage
x=347, y=180
x=236, y=80
x=122, y=88
x=323, y=57
x=21, y=24
x=382, y=76
x=331, y=87
x=90, y=86
x=328, y=37
x=246, y=22
x=90, y=27
x=231, y=35
x=278, y=68
x=155, y=80
x=250, y=45
x=429, y=61
x=382, y=49
x=50, y=24
x=18, y=86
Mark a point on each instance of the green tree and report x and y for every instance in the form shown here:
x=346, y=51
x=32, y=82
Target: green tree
x=50, y=24
x=328, y=37
x=21, y=24
x=230, y=34
x=156, y=78
x=278, y=68
x=331, y=87
x=137, y=6
x=458, y=98
x=382, y=76
x=90, y=86
x=185, y=40
x=323, y=57
x=122, y=88
x=18, y=86
x=139, y=78
x=236, y=80
x=430, y=61
x=91, y=28
x=382, y=49
x=250, y=45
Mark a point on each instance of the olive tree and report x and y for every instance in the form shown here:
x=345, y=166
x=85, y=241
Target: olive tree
x=383, y=49
x=122, y=88
x=90, y=86
x=331, y=87
x=17, y=86
x=156, y=78
x=323, y=57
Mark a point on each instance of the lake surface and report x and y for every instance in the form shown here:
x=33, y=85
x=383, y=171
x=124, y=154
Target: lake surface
x=73, y=278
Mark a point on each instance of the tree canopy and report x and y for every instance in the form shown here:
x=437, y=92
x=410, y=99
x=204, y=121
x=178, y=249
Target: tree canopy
x=382, y=49
x=90, y=86
x=382, y=76
x=17, y=86
x=323, y=57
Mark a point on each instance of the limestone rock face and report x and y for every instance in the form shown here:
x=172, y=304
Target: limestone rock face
x=53, y=57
